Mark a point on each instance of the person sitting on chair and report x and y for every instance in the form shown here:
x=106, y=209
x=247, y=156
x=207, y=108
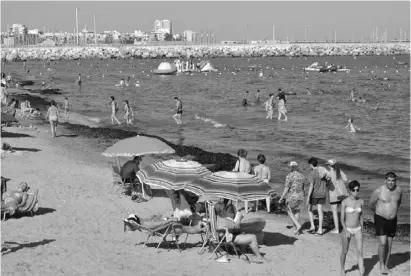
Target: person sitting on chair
x=129, y=169
x=15, y=199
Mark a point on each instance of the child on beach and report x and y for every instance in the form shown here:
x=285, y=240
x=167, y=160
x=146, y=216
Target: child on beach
x=66, y=106
x=352, y=127
x=128, y=111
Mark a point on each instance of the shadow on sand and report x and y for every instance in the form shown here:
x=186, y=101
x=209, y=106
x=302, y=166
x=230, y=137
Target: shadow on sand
x=6, y=134
x=14, y=246
x=274, y=239
x=26, y=149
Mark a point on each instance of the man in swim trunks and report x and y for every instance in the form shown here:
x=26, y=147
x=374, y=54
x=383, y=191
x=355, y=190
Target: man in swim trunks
x=179, y=111
x=385, y=202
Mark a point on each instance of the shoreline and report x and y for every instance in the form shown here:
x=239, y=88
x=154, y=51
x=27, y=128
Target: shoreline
x=203, y=51
x=103, y=137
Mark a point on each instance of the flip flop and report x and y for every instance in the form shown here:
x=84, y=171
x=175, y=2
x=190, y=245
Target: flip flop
x=319, y=234
x=311, y=231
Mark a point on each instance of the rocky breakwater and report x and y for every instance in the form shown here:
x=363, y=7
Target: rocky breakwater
x=204, y=51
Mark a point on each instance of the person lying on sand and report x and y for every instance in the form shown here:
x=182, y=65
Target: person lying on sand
x=15, y=199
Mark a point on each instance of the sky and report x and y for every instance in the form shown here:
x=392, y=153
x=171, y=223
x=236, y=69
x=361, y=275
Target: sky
x=228, y=20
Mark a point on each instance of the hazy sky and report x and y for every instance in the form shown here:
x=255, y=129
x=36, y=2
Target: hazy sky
x=231, y=20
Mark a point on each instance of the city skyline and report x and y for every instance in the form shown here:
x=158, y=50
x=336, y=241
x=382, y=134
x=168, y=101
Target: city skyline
x=227, y=20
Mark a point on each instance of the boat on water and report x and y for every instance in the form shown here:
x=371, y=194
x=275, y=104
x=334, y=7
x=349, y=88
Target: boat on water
x=315, y=67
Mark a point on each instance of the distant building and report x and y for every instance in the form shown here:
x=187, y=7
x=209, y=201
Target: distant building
x=19, y=29
x=189, y=36
x=162, y=28
x=34, y=31
x=167, y=25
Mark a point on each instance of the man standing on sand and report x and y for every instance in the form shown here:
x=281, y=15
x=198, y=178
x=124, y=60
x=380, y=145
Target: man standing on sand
x=385, y=202
x=179, y=111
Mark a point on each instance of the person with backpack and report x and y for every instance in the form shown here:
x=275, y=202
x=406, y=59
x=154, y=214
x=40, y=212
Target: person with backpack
x=114, y=110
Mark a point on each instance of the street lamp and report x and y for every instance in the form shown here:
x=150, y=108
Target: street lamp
x=305, y=32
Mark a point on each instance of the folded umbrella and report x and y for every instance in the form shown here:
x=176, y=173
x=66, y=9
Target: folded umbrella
x=230, y=185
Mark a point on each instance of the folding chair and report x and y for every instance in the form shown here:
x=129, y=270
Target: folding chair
x=201, y=234
x=161, y=232
x=213, y=235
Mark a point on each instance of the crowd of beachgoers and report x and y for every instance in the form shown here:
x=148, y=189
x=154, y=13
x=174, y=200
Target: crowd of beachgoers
x=208, y=51
x=325, y=186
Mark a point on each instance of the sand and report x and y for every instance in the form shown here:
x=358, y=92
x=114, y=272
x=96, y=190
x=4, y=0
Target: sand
x=78, y=229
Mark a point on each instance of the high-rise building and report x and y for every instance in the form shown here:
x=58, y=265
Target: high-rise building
x=19, y=29
x=158, y=24
x=189, y=36
x=167, y=25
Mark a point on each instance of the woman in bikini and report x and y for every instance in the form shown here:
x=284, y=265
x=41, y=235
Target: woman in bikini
x=352, y=223
x=128, y=112
x=53, y=116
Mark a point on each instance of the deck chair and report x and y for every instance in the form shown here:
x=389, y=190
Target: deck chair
x=161, y=232
x=214, y=236
x=202, y=235
x=31, y=205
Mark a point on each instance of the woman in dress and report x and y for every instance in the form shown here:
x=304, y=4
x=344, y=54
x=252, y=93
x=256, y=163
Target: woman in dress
x=336, y=190
x=352, y=223
x=263, y=172
x=128, y=112
x=53, y=116
x=294, y=189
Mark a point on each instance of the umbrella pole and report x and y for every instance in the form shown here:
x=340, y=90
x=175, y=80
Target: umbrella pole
x=118, y=163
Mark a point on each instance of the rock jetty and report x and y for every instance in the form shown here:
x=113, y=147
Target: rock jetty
x=203, y=51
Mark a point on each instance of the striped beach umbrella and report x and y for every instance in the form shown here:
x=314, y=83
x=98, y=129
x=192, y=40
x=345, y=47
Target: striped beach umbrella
x=172, y=174
x=230, y=185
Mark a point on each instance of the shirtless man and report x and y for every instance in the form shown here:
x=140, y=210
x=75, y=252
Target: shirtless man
x=179, y=111
x=385, y=202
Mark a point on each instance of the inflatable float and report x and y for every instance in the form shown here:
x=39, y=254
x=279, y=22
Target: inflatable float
x=322, y=68
x=165, y=68
x=206, y=66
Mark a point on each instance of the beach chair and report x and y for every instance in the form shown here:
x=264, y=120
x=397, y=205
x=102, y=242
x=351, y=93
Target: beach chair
x=30, y=207
x=203, y=235
x=160, y=232
x=214, y=237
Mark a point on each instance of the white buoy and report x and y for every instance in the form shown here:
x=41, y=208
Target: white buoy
x=360, y=71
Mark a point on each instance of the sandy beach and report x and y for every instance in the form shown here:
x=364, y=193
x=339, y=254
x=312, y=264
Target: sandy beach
x=78, y=229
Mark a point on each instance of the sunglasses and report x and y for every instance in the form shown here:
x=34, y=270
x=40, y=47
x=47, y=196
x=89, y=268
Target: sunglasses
x=355, y=190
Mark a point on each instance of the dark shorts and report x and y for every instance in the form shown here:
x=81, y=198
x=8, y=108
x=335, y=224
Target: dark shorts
x=315, y=201
x=180, y=112
x=335, y=202
x=385, y=227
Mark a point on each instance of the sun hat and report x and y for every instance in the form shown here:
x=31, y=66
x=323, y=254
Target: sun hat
x=293, y=163
x=331, y=162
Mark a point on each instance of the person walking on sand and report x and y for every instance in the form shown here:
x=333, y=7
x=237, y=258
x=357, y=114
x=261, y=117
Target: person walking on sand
x=114, y=110
x=352, y=223
x=53, y=116
x=179, y=111
x=263, y=172
x=128, y=112
x=316, y=193
x=385, y=202
x=336, y=190
x=294, y=189
x=66, y=106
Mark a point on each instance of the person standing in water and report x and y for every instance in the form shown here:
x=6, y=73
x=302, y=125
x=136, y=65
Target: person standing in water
x=66, y=106
x=179, y=111
x=245, y=102
x=269, y=104
x=351, y=126
x=281, y=108
x=385, y=202
x=257, y=96
x=114, y=110
x=79, y=81
x=128, y=111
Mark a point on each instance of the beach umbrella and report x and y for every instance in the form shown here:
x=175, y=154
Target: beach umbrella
x=172, y=174
x=230, y=185
x=136, y=146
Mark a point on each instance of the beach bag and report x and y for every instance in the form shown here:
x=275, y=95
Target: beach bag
x=341, y=190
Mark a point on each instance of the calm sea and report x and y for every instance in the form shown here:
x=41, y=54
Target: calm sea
x=215, y=120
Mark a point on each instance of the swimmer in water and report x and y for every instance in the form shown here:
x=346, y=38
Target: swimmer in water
x=352, y=95
x=43, y=85
x=360, y=100
x=376, y=106
x=308, y=91
x=179, y=111
x=245, y=102
x=351, y=126
x=122, y=83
